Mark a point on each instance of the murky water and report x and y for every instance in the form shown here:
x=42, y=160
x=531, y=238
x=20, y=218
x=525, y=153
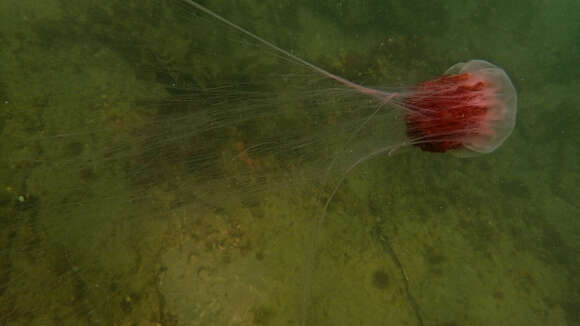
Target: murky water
x=158, y=168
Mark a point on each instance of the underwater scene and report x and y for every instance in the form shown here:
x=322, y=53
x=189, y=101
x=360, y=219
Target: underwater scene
x=289, y=162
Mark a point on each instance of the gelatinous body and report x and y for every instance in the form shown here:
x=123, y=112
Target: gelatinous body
x=471, y=108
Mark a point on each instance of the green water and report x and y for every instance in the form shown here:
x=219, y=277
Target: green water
x=127, y=197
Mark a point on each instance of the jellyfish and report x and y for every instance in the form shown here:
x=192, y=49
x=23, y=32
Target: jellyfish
x=470, y=110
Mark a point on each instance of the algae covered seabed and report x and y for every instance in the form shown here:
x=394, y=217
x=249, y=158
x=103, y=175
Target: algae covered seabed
x=113, y=204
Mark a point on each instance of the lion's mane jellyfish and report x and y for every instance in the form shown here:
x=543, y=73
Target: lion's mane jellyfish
x=470, y=109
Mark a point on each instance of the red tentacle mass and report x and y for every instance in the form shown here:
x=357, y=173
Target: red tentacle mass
x=443, y=112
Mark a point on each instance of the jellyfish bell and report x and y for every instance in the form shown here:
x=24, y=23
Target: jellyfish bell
x=470, y=110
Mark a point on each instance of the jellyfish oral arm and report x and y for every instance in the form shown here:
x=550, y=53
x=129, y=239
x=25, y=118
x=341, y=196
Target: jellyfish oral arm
x=470, y=109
